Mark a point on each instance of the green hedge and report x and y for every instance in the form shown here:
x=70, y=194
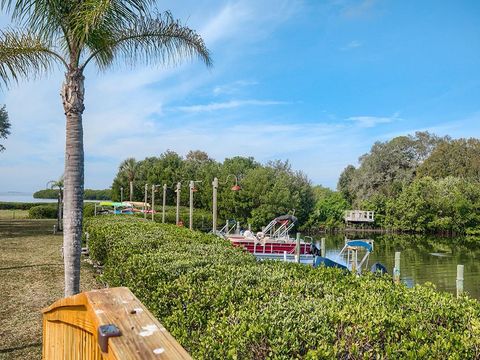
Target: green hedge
x=43, y=212
x=220, y=303
x=18, y=205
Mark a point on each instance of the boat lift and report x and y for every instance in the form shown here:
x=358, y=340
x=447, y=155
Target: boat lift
x=351, y=250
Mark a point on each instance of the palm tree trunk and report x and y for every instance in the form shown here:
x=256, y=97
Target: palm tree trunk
x=73, y=98
x=131, y=190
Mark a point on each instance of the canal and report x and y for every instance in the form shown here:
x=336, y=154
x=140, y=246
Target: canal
x=423, y=258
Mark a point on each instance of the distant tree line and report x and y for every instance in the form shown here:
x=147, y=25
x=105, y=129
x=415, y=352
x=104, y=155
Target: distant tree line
x=414, y=183
x=267, y=190
x=89, y=194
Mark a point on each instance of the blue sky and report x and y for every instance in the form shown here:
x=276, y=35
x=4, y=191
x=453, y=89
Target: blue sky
x=314, y=82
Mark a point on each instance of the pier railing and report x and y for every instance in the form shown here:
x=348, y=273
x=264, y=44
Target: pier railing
x=105, y=324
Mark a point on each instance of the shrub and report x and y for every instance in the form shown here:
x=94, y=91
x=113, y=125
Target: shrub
x=43, y=212
x=18, y=205
x=220, y=303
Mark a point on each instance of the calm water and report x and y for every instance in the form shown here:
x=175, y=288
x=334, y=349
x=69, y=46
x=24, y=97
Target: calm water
x=22, y=197
x=423, y=258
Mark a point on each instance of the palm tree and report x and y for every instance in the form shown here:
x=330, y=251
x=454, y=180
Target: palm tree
x=129, y=168
x=72, y=34
x=59, y=185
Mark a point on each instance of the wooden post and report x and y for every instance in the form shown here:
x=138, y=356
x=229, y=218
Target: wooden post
x=460, y=269
x=396, y=269
x=153, y=202
x=164, y=202
x=145, y=202
x=190, y=220
x=297, y=249
x=322, y=247
x=95, y=211
x=237, y=230
x=177, y=216
x=354, y=260
x=214, y=205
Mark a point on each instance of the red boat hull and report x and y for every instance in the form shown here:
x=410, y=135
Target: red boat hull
x=270, y=247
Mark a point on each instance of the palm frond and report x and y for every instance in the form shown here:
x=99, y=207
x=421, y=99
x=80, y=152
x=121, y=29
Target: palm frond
x=151, y=40
x=23, y=55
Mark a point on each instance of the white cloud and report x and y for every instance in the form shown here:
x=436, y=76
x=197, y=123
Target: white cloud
x=372, y=121
x=227, y=105
x=352, y=45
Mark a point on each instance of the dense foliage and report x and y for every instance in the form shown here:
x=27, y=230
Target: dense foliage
x=448, y=205
x=266, y=191
x=18, y=205
x=420, y=183
x=388, y=167
x=220, y=303
x=43, y=212
x=88, y=194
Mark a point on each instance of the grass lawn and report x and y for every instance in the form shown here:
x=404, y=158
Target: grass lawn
x=31, y=278
x=13, y=214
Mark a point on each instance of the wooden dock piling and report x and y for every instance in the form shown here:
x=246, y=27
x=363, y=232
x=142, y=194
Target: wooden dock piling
x=323, y=252
x=460, y=269
x=297, y=249
x=396, y=269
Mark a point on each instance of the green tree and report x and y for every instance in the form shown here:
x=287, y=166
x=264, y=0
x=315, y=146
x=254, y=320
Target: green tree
x=73, y=34
x=329, y=209
x=458, y=158
x=4, y=125
x=390, y=165
x=59, y=185
x=129, y=168
x=344, y=184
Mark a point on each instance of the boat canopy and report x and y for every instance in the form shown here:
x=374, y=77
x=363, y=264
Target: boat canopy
x=115, y=204
x=360, y=243
x=286, y=217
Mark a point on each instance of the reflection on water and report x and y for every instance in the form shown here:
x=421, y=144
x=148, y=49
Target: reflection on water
x=423, y=258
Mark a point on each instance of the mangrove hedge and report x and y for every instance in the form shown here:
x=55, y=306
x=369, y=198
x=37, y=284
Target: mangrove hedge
x=220, y=303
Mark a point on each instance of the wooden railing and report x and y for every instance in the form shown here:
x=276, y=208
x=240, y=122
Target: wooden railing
x=105, y=324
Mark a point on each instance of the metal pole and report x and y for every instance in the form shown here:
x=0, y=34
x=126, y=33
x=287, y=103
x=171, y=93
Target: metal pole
x=396, y=269
x=121, y=194
x=145, y=202
x=190, y=220
x=163, y=202
x=237, y=230
x=460, y=269
x=214, y=205
x=153, y=201
x=322, y=247
x=177, y=218
x=297, y=249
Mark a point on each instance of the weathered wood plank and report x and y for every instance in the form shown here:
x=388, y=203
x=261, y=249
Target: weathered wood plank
x=71, y=324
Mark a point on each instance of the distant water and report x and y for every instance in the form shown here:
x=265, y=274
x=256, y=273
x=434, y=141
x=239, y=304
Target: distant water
x=25, y=197
x=17, y=196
